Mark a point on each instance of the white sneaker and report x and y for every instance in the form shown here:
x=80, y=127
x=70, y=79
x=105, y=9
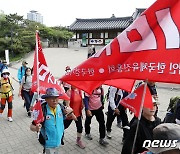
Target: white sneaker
x=108, y=134
x=10, y=119
x=0, y=114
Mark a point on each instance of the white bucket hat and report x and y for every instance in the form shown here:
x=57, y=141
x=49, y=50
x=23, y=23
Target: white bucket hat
x=5, y=71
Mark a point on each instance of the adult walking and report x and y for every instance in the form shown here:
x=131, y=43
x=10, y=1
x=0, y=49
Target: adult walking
x=76, y=103
x=6, y=93
x=94, y=106
x=21, y=71
x=52, y=128
x=116, y=109
x=25, y=89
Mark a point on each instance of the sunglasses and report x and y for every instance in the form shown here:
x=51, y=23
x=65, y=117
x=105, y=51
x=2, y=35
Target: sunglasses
x=5, y=73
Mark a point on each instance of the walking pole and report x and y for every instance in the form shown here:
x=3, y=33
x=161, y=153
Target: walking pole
x=15, y=79
x=37, y=64
x=139, y=117
x=37, y=69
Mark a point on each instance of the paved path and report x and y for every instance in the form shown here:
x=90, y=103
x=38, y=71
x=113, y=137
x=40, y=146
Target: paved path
x=16, y=137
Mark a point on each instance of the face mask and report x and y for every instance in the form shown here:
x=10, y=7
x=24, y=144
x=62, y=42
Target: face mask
x=68, y=71
x=28, y=73
x=5, y=76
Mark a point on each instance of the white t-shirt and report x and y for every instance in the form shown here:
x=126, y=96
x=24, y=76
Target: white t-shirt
x=28, y=83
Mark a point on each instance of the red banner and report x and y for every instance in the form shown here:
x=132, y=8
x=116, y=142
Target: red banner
x=147, y=50
x=133, y=100
x=46, y=79
x=37, y=113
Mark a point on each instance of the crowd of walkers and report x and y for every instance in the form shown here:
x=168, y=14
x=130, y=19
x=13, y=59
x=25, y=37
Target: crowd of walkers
x=59, y=116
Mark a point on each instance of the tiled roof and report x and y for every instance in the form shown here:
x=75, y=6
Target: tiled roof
x=138, y=12
x=101, y=23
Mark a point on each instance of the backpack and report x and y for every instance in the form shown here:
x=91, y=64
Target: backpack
x=8, y=82
x=171, y=110
x=41, y=139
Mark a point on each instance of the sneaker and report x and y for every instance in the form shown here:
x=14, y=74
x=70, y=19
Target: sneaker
x=29, y=114
x=108, y=134
x=62, y=142
x=88, y=136
x=10, y=119
x=80, y=144
x=0, y=114
x=119, y=125
x=103, y=142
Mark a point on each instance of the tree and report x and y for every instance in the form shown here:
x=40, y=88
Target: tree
x=18, y=34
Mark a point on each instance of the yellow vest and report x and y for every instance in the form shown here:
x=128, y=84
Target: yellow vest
x=6, y=89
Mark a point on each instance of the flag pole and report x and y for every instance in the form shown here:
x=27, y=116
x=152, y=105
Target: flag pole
x=139, y=116
x=37, y=61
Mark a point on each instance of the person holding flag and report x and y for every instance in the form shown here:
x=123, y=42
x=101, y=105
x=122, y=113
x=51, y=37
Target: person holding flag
x=50, y=124
x=147, y=123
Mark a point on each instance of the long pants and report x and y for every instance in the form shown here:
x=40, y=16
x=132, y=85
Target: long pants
x=28, y=97
x=111, y=116
x=52, y=150
x=78, y=124
x=100, y=118
x=3, y=103
x=119, y=119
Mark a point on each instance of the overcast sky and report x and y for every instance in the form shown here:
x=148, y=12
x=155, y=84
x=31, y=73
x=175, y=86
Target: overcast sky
x=65, y=12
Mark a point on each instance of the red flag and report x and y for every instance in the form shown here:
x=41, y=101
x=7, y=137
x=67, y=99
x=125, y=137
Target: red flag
x=37, y=113
x=89, y=86
x=125, y=84
x=147, y=50
x=133, y=100
x=46, y=79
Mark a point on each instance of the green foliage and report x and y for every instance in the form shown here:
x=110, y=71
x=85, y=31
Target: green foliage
x=18, y=34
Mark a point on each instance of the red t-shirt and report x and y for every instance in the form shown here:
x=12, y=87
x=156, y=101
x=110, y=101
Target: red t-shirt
x=76, y=101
